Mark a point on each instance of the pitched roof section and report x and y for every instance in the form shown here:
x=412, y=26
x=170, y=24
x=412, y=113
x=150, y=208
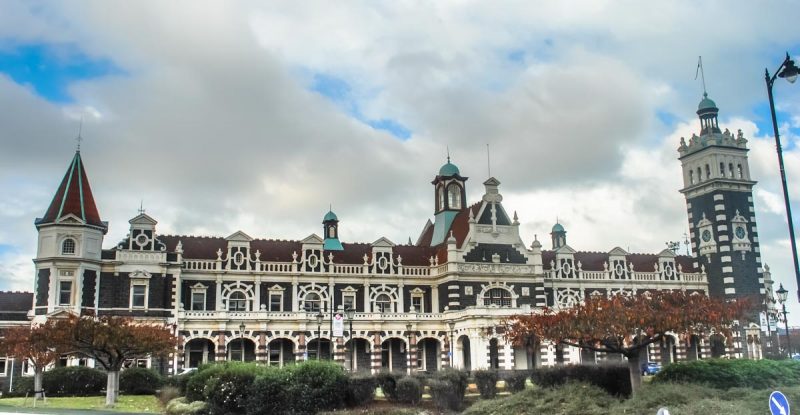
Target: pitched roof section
x=15, y=305
x=74, y=196
x=594, y=261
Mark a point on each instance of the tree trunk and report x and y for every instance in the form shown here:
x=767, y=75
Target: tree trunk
x=112, y=387
x=38, y=375
x=635, y=370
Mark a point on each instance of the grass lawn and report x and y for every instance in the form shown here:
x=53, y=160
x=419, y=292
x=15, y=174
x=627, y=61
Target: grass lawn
x=133, y=403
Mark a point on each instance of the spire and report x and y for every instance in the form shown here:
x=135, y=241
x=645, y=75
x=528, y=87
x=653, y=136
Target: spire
x=74, y=196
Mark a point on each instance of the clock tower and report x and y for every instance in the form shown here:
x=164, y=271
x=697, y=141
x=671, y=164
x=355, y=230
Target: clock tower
x=719, y=203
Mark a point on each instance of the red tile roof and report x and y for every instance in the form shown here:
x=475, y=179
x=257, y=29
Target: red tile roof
x=74, y=196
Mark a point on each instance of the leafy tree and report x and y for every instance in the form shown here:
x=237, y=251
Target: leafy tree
x=112, y=340
x=626, y=325
x=35, y=344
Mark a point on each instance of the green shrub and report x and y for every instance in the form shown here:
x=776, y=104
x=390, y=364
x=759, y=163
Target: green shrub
x=409, y=390
x=388, y=383
x=447, y=389
x=614, y=379
x=730, y=373
x=226, y=393
x=197, y=382
x=179, y=381
x=515, y=380
x=21, y=386
x=65, y=381
x=139, y=381
x=317, y=385
x=270, y=393
x=360, y=390
x=487, y=383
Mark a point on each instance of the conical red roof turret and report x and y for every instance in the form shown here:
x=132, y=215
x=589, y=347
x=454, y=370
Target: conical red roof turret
x=74, y=196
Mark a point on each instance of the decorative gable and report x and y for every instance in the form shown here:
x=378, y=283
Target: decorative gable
x=239, y=236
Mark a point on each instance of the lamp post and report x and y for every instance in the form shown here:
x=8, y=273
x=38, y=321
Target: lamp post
x=782, y=292
x=350, y=312
x=452, y=325
x=241, y=338
x=320, y=316
x=787, y=71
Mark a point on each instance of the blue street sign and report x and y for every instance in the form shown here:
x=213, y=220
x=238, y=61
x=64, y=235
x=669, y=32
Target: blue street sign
x=778, y=404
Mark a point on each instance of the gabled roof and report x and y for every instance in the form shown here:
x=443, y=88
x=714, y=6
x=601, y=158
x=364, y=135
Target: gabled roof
x=143, y=219
x=74, y=196
x=239, y=236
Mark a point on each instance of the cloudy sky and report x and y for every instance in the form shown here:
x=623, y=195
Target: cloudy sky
x=222, y=116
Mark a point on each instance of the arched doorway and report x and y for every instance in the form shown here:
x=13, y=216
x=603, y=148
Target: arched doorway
x=363, y=361
x=319, y=349
x=280, y=352
x=667, y=350
x=393, y=355
x=241, y=350
x=717, y=346
x=428, y=355
x=463, y=350
x=198, y=352
x=494, y=354
x=693, y=353
x=526, y=356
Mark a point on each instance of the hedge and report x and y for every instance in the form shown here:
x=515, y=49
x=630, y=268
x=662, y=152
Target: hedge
x=515, y=381
x=360, y=389
x=139, y=381
x=409, y=390
x=731, y=373
x=487, y=383
x=65, y=381
x=388, y=383
x=447, y=389
x=614, y=379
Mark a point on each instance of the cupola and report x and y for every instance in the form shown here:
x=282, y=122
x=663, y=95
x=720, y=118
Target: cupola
x=330, y=228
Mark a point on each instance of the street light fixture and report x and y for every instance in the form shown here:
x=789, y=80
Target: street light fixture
x=241, y=338
x=320, y=317
x=782, y=292
x=350, y=312
x=789, y=72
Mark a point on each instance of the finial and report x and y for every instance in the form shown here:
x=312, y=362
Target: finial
x=702, y=75
x=79, y=138
x=448, y=153
x=141, y=206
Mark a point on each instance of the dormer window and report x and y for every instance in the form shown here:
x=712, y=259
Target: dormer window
x=68, y=247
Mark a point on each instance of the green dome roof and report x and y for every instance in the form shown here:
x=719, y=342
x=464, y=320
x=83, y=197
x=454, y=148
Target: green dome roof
x=558, y=228
x=706, y=103
x=330, y=216
x=448, y=169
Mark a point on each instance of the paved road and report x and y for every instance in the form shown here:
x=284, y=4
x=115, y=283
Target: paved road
x=52, y=411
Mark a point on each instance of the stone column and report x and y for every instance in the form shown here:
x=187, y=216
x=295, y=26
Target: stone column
x=412, y=351
x=376, y=353
x=261, y=354
x=300, y=353
x=221, y=351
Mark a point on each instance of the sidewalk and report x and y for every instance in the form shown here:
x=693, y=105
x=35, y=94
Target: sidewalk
x=5, y=410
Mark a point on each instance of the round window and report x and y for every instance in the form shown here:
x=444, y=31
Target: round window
x=141, y=240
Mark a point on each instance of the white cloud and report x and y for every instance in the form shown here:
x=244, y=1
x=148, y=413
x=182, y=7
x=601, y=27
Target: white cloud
x=212, y=124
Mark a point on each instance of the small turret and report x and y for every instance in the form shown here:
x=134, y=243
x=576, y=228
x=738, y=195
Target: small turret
x=330, y=228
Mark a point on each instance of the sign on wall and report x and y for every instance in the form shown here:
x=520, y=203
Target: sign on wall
x=338, y=325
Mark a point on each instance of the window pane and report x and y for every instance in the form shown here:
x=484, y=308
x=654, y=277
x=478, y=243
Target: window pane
x=275, y=302
x=349, y=301
x=138, y=295
x=65, y=293
x=198, y=301
x=68, y=247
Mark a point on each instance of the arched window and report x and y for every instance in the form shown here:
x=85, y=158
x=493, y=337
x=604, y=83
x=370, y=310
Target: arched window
x=739, y=169
x=331, y=232
x=237, y=301
x=441, y=197
x=313, y=302
x=699, y=175
x=691, y=176
x=68, y=247
x=383, y=303
x=497, y=296
x=730, y=170
x=722, y=170
x=454, y=196
x=708, y=172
